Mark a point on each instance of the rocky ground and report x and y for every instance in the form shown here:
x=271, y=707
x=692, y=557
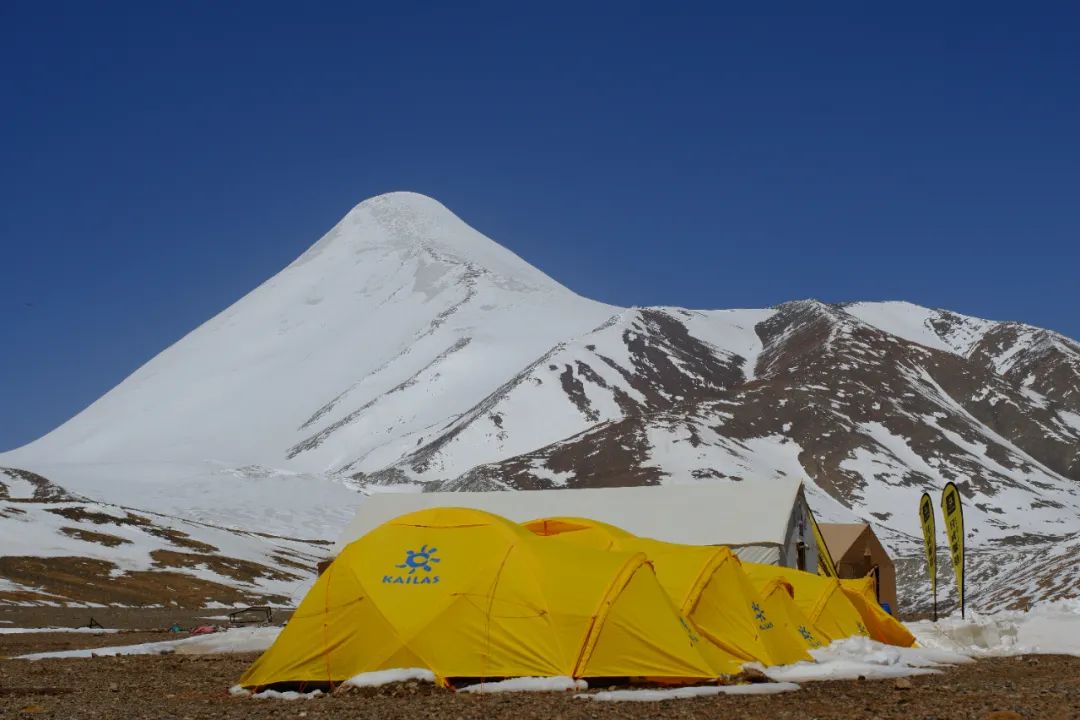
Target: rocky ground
x=178, y=686
x=117, y=617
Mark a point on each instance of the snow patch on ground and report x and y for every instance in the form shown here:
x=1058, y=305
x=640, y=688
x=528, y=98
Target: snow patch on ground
x=558, y=683
x=287, y=695
x=651, y=695
x=856, y=657
x=1048, y=628
x=237, y=640
x=80, y=630
x=379, y=678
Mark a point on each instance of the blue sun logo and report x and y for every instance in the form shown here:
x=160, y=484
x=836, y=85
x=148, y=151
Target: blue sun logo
x=421, y=559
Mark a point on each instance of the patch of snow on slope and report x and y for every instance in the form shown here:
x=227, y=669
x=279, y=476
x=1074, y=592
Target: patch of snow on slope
x=18, y=488
x=905, y=320
x=888, y=470
x=759, y=459
x=543, y=472
x=1070, y=419
x=730, y=331
x=1026, y=339
x=956, y=334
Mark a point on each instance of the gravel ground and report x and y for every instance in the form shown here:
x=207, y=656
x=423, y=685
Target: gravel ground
x=135, y=625
x=22, y=644
x=178, y=687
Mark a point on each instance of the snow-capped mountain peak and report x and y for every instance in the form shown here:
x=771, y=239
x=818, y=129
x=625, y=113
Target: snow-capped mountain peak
x=415, y=225
x=400, y=317
x=405, y=349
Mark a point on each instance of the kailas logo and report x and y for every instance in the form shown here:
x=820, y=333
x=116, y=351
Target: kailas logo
x=421, y=559
x=809, y=637
x=694, y=639
x=759, y=615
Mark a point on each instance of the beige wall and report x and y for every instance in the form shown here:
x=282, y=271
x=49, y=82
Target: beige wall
x=859, y=560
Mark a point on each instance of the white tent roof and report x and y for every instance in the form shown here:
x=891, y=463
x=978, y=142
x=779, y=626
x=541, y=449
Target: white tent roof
x=717, y=512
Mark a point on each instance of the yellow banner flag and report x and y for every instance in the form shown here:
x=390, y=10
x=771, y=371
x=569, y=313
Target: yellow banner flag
x=825, y=565
x=954, y=529
x=929, y=533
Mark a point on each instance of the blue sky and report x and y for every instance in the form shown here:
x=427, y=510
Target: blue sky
x=159, y=160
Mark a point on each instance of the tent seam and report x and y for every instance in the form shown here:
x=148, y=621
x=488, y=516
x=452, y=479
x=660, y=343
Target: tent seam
x=600, y=616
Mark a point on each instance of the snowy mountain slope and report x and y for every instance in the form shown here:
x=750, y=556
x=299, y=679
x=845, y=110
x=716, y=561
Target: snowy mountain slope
x=1042, y=361
x=58, y=547
x=872, y=420
x=1013, y=577
x=937, y=329
x=393, y=293
x=638, y=361
x=405, y=350
x=399, y=319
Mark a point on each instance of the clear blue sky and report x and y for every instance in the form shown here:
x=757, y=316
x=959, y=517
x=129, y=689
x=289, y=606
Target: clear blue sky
x=158, y=160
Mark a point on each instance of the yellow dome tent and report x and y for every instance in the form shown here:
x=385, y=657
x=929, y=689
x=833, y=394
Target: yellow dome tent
x=464, y=593
x=882, y=626
x=778, y=599
x=707, y=585
x=821, y=599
